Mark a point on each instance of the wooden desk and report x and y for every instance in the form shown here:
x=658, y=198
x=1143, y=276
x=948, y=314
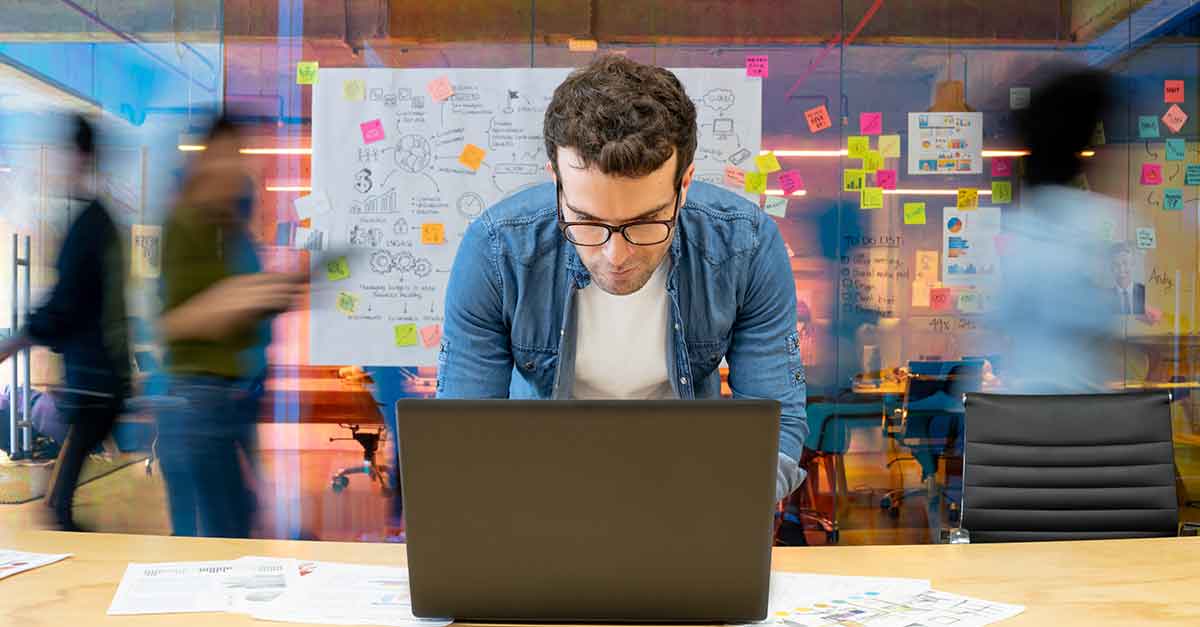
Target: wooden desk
x=1121, y=582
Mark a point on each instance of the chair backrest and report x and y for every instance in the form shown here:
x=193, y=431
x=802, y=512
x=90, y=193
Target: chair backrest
x=950, y=378
x=1069, y=467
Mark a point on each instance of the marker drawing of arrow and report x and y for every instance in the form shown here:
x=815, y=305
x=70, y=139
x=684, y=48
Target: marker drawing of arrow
x=1153, y=155
x=1178, y=168
x=1150, y=200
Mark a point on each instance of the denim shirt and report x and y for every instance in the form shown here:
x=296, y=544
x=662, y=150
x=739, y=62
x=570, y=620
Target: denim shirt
x=509, y=329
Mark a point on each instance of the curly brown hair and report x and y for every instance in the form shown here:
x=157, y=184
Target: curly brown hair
x=623, y=117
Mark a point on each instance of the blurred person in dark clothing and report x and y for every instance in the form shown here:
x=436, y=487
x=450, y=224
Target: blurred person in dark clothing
x=84, y=318
x=217, y=310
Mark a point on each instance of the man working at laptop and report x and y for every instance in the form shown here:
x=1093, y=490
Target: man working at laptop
x=625, y=279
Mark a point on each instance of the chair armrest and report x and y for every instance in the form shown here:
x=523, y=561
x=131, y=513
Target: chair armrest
x=1189, y=529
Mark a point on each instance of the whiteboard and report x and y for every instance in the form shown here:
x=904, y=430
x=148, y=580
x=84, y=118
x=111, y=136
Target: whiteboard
x=376, y=198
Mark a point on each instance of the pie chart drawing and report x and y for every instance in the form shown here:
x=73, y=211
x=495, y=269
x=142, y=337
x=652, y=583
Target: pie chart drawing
x=413, y=153
x=471, y=205
x=954, y=225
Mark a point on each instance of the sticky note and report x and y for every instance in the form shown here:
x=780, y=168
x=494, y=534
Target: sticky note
x=920, y=294
x=433, y=233
x=371, y=131
x=818, y=119
x=1176, y=149
x=354, y=90
x=1175, y=118
x=870, y=123
x=337, y=269
x=1002, y=167
x=1018, y=98
x=756, y=182
x=582, y=45
x=1173, y=91
x=405, y=334
x=939, y=299
x=1192, y=177
x=1147, y=127
x=440, y=89
x=871, y=198
x=306, y=73
x=968, y=302
x=758, y=65
x=889, y=146
x=472, y=156
x=1146, y=238
x=315, y=204
x=776, y=206
x=857, y=146
x=735, y=177
x=1173, y=199
x=767, y=163
x=1098, y=138
x=347, y=303
x=885, y=179
x=914, y=213
x=968, y=198
x=431, y=335
x=853, y=180
x=1151, y=174
x=1001, y=192
x=872, y=161
x=791, y=181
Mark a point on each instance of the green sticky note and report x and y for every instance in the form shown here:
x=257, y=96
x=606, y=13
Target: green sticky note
x=871, y=198
x=914, y=213
x=347, y=303
x=406, y=334
x=872, y=161
x=1176, y=149
x=338, y=269
x=756, y=182
x=767, y=163
x=1147, y=127
x=776, y=206
x=1001, y=192
x=889, y=146
x=857, y=146
x=1173, y=199
x=853, y=180
x=306, y=73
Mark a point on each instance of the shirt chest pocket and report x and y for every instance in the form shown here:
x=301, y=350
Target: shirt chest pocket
x=537, y=366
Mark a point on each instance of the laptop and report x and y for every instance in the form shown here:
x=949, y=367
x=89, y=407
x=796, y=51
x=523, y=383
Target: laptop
x=595, y=511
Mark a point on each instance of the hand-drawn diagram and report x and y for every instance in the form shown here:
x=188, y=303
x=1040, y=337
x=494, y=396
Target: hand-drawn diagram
x=385, y=195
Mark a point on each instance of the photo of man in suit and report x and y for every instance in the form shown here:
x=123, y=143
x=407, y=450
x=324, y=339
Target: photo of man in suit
x=1129, y=298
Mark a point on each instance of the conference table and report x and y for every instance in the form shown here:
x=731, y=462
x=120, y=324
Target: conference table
x=1062, y=584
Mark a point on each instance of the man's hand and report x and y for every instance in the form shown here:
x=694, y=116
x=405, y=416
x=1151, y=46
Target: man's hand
x=232, y=304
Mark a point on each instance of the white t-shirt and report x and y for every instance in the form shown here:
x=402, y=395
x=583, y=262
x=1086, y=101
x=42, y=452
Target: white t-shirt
x=621, y=342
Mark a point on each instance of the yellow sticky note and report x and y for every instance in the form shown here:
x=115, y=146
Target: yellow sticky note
x=306, y=73
x=347, y=303
x=338, y=269
x=354, y=90
x=756, y=182
x=1001, y=192
x=406, y=334
x=857, y=146
x=968, y=198
x=767, y=163
x=914, y=213
x=433, y=233
x=472, y=156
x=871, y=198
x=872, y=161
x=889, y=146
x=853, y=180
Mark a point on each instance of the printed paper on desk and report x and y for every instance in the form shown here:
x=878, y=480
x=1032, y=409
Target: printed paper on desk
x=1175, y=118
x=758, y=65
x=818, y=119
x=13, y=562
x=889, y=146
x=173, y=588
x=870, y=123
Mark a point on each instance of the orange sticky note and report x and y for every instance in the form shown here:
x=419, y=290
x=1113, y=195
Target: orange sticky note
x=939, y=299
x=472, y=156
x=1175, y=118
x=433, y=233
x=440, y=89
x=431, y=335
x=1173, y=91
x=818, y=119
x=735, y=177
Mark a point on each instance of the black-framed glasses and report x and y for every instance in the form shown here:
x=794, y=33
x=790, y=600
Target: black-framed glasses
x=639, y=233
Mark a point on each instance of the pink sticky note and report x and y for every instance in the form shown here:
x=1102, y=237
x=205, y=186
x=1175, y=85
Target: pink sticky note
x=791, y=181
x=1151, y=174
x=870, y=123
x=939, y=299
x=1175, y=118
x=371, y=131
x=885, y=179
x=1173, y=91
x=1002, y=166
x=757, y=65
x=440, y=89
x=735, y=177
x=431, y=336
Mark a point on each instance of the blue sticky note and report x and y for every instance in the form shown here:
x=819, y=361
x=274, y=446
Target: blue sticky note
x=1193, y=174
x=1147, y=127
x=1173, y=199
x=1176, y=150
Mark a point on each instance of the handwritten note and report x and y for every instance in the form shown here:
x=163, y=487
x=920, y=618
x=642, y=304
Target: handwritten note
x=433, y=233
x=1018, y=98
x=1151, y=174
x=735, y=177
x=1002, y=167
x=1175, y=118
x=347, y=303
x=354, y=90
x=776, y=206
x=440, y=89
x=939, y=299
x=1176, y=149
x=405, y=335
x=818, y=119
x=1146, y=238
x=431, y=336
x=853, y=180
x=870, y=123
x=914, y=213
x=756, y=182
x=1147, y=127
x=886, y=179
x=371, y=131
x=1173, y=199
x=582, y=45
x=337, y=269
x=969, y=301
x=1001, y=192
x=889, y=146
x=857, y=146
x=968, y=198
x=306, y=72
x=1173, y=91
x=872, y=161
x=767, y=163
x=758, y=65
x=791, y=181
x=472, y=156
x=1192, y=177
x=871, y=198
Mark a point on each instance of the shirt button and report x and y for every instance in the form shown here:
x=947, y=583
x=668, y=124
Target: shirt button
x=529, y=365
x=683, y=380
x=676, y=326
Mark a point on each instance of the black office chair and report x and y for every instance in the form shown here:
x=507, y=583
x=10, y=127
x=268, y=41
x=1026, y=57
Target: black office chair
x=1068, y=467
